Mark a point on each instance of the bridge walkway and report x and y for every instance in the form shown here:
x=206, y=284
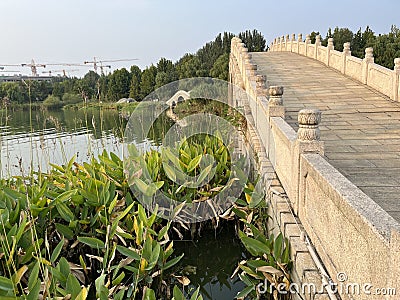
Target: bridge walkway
x=360, y=126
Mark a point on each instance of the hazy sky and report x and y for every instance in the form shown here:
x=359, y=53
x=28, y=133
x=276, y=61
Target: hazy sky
x=52, y=31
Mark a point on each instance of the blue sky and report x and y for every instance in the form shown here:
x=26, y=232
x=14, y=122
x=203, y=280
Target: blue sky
x=77, y=30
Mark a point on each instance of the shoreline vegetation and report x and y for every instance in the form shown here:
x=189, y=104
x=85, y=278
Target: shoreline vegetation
x=80, y=232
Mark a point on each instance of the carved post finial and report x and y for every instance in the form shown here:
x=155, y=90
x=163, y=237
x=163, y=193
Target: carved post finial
x=397, y=64
x=300, y=37
x=261, y=84
x=318, y=40
x=346, y=48
x=293, y=37
x=330, y=44
x=275, y=95
x=309, y=120
x=308, y=39
x=369, y=54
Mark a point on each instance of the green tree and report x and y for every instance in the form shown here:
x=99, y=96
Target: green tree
x=254, y=40
x=166, y=72
x=148, y=81
x=88, y=85
x=119, y=85
x=220, y=68
x=13, y=91
x=341, y=36
x=136, y=75
x=313, y=36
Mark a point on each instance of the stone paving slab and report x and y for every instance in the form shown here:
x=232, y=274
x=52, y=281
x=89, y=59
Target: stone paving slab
x=360, y=126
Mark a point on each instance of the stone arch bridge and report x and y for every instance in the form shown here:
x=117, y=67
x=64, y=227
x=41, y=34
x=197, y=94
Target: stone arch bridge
x=328, y=126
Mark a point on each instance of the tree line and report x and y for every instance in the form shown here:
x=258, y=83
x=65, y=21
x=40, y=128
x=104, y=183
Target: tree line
x=386, y=46
x=212, y=60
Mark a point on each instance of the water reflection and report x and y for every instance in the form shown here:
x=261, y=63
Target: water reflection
x=33, y=139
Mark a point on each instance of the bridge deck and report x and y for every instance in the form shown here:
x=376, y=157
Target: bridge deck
x=360, y=127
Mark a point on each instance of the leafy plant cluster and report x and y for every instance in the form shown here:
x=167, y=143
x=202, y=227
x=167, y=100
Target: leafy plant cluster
x=78, y=232
x=269, y=264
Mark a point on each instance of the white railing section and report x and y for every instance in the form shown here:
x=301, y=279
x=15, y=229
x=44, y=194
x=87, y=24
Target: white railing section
x=364, y=70
x=351, y=233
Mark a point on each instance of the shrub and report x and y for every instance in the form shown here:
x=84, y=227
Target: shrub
x=69, y=98
x=52, y=102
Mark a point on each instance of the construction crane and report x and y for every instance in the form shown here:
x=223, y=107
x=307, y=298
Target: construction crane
x=99, y=63
x=33, y=65
x=63, y=71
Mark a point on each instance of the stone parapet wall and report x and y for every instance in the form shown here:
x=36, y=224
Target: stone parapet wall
x=364, y=70
x=350, y=232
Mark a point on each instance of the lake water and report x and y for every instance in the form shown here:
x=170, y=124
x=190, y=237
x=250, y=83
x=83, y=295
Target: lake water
x=33, y=139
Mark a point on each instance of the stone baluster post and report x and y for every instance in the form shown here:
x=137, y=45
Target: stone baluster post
x=317, y=45
x=292, y=41
x=261, y=85
x=308, y=41
x=287, y=43
x=308, y=141
x=329, y=48
x=396, y=79
x=275, y=102
x=309, y=120
x=299, y=40
x=346, y=52
x=368, y=59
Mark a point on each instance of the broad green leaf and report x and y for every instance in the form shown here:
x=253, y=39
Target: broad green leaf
x=128, y=252
x=119, y=278
x=243, y=293
x=73, y=287
x=64, y=230
x=34, y=291
x=195, y=295
x=149, y=294
x=33, y=276
x=91, y=242
x=169, y=171
x=57, y=251
x=203, y=174
x=171, y=262
x=177, y=293
x=154, y=257
x=82, y=295
x=6, y=284
x=194, y=163
x=64, y=211
x=278, y=246
x=255, y=247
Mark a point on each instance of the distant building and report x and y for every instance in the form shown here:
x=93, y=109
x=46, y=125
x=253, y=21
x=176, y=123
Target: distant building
x=16, y=78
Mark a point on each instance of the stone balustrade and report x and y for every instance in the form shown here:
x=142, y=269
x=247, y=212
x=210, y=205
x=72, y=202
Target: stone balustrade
x=350, y=232
x=364, y=70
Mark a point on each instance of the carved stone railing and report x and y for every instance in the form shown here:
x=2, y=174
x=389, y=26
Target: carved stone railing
x=364, y=70
x=350, y=232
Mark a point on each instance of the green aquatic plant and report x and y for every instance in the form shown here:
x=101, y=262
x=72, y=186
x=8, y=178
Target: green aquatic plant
x=269, y=263
x=76, y=232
